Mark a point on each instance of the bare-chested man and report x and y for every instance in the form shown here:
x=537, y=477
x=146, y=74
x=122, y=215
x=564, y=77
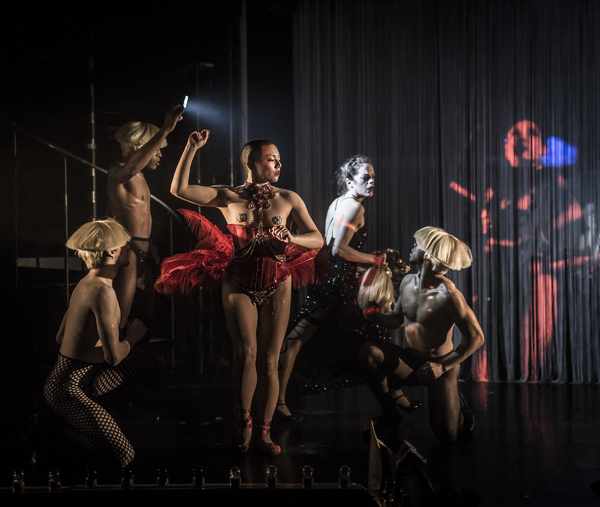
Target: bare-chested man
x=129, y=197
x=429, y=305
x=94, y=363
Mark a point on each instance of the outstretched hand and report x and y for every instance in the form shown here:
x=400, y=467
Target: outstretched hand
x=198, y=139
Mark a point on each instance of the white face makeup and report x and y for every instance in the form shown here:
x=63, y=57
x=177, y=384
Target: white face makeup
x=363, y=182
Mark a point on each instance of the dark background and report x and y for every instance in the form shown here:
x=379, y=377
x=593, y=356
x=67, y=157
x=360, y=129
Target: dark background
x=428, y=89
x=139, y=63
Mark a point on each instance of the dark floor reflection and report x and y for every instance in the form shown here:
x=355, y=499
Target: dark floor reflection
x=533, y=444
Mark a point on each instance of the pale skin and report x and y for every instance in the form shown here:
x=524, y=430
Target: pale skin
x=129, y=202
x=429, y=306
x=89, y=331
x=257, y=332
x=346, y=214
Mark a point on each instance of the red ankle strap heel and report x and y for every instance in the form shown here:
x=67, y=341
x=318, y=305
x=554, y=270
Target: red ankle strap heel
x=269, y=448
x=245, y=423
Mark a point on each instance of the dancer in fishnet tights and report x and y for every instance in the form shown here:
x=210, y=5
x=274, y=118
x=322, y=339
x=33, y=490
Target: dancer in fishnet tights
x=95, y=365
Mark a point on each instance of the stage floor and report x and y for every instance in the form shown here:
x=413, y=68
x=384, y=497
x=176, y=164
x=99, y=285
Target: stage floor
x=533, y=444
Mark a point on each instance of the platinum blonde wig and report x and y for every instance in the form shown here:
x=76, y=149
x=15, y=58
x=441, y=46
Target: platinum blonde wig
x=133, y=135
x=376, y=285
x=446, y=251
x=93, y=239
x=348, y=170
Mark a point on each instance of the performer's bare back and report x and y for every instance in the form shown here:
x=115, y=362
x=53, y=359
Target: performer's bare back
x=78, y=335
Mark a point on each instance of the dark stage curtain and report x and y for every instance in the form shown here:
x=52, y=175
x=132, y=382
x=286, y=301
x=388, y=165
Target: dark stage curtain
x=481, y=117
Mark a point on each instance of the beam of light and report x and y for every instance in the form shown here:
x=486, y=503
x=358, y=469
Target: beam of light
x=207, y=113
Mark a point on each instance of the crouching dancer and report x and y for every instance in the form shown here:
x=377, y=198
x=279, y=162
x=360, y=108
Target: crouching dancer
x=429, y=305
x=94, y=363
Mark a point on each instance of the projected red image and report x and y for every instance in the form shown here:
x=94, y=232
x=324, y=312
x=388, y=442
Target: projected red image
x=524, y=219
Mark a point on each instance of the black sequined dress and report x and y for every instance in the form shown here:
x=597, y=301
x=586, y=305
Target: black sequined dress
x=328, y=360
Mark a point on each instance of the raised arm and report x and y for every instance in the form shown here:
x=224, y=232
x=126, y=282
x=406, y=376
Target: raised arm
x=353, y=216
x=139, y=159
x=106, y=310
x=180, y=185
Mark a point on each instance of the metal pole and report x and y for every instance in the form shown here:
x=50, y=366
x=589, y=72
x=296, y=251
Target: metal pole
x=67, y=281
x=172, y=299
x=231, y=170
x=16, y=222
x=244, y=72
x=92, y=145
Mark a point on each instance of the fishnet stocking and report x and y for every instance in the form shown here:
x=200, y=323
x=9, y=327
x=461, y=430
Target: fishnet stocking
x=73, y=390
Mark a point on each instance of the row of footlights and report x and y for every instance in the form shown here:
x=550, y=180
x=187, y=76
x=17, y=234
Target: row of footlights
x=162, y=478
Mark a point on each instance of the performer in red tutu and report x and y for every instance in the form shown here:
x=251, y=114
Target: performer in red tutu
x=256, y=266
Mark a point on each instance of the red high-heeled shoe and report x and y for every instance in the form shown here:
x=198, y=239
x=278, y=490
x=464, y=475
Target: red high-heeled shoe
x=244, y=423
x=269, y=448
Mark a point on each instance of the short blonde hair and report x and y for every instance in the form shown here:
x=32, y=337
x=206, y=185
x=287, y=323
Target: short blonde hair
x=133, y=135
x=376, y=285
x=93, y=239
x=446, y=251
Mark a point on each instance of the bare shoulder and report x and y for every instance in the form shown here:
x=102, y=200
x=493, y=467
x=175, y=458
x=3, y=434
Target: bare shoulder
x=229, y=193
x=101, y=294
x=453, y=297
x=285, y=193
x=228, y=189
x=289, y=196
x=408, y=280
x=114, y=168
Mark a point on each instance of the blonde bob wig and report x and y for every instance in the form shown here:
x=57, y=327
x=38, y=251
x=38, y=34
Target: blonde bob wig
x=135, y=134
x=446, y=251
x=93, y=239
x=376, y=285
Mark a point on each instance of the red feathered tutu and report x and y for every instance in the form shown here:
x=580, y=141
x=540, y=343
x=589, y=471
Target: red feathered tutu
x=203, y=267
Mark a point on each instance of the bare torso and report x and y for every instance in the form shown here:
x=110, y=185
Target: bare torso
x=280, y=206
x=80, y=338
x=428, y=328
x=129, y=202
